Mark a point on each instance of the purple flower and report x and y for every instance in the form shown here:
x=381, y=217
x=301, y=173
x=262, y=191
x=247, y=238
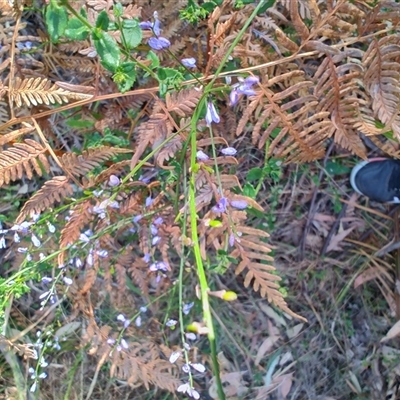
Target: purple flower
x=251, y=80
x=158, y=221
x=245, y=88
x=113, y=181
x=201, y=156
x=189, y=62
x=156, y=27
x=67, y=281
x=211, y=114
x=220, y=207
x=159, y=43
x=229, y=151
x=158, y=266
x=239, y=204
x=234, y=97
x=146, y=25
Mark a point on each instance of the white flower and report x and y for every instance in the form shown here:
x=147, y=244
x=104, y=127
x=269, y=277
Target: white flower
x=198, y=367
x=174, y=356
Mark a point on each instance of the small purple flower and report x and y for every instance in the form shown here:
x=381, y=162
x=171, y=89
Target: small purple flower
x=191, y=336
x=149, y=201
x=124, y=344
x=110, y=341
x=187, y=307
x=156, y=26
x=229, y=151
x=185, y=368
x=146, y=25
x=113, y=181
x=158, y=221
x=147, y=258
x=138, y=321
x=159, y=43
x=35, y=240
x=201, y=156
x=121, y=318
x=102, y=253
x=174, y=356
x=234, y=97
x=189, y=62
x=67, y=281
x=220, y=207
x=46, y=279
x=231, y=239
x=143, y=309
x=211, y=114
x=158, y=266
x=155, y=240
x=3, y=243
x=198, y=367
x=239, y=204
x=251, y=80
x=171, y=322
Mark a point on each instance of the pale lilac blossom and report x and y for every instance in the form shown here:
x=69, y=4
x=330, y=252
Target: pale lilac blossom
x=201, y=156
x=102, y=253
x=186, y=368
x=149, y=201
x=121, y=317
x=43, y=375
x=68, y=281
x=191, y=336
x=229, y=151
x=3, y=243
x=189, y=62
x=239, y=204
x=211, y=114
x=159, y=43
x=110, y=341
x=171, y=322
x=16, y=238
x=35, y=240
x=113, y=181
x=187, y=307
x=138, y=321
x=33, y=387
x=155, y=240
x=158, y=266
x=51, y=227
x=46, y=279
x=158, y=221
x=198, y=367
x=220, y=207
x=22, y=250
x=124, y=344
x=174, y=356
x=147, y=258
x=143, y=309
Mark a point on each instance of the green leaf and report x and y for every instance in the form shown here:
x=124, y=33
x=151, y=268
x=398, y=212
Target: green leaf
x=76, y=30
x=132, y=33
x=107, y=49
x=249, y=190
x=56, y=20
x=265, y=7
x=155, y=61
x=254, y=174
x=168, y=77
x=335, y=168
x=102, y=21
x=118, y=10
x=125, y=76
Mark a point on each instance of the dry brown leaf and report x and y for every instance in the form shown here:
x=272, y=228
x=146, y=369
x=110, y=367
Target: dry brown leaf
x=366, y=276
x=334, y=243
x=393, y=332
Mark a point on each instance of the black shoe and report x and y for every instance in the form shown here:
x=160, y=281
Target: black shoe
x=377, y=178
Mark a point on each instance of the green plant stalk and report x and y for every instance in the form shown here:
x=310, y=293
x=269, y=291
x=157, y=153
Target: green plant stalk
x=204, y=289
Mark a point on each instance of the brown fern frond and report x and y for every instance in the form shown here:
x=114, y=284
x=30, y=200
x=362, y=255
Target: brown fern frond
x=139, y=270
x=183, y=102
x=11, y=136
x=80, y=217
x=152, y=132
x=290, y=116
x=255, y=257
x=168, y=151
x=22, y=158
x=34, y=91
x=115, y=169
x=54, y=190
x=80, y=164
x=338, y=92
x=382, y=77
